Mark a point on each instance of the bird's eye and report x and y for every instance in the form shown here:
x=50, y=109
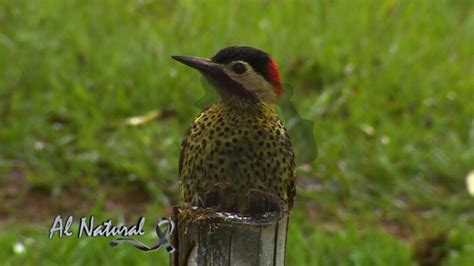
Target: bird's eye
x=239, y=68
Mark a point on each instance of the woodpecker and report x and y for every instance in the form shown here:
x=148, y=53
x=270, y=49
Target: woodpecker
x=237, y=147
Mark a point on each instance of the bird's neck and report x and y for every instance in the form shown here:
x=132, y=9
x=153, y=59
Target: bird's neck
x=244, y=104
x=241, y=104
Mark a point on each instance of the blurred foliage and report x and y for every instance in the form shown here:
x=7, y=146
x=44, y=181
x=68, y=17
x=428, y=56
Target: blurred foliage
x=388, y=83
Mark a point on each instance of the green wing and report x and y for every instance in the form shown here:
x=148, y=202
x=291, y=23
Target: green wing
x=182, y=152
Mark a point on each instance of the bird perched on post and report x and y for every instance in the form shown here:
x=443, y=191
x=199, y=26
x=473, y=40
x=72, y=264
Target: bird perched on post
x=237, y=154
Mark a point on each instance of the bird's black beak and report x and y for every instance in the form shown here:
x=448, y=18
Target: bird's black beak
x=204, y=65
x=214, y=73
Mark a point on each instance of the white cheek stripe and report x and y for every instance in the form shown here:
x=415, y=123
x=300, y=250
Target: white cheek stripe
x=252, y=81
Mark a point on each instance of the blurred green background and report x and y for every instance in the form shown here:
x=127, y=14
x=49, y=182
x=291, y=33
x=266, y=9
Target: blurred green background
x=92, y=113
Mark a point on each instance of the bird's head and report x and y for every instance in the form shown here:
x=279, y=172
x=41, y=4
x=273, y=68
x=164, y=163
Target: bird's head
x=240, y=71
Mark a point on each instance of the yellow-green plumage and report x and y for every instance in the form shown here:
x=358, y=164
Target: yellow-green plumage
x=241, y=143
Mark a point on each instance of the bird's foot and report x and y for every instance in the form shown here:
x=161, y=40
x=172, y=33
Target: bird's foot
x=221, y=197
x=260, y=202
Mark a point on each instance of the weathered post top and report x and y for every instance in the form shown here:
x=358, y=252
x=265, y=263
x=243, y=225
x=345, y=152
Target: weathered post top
x=206, y=237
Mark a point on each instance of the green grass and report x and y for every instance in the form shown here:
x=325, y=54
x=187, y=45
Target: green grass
x=389, y=85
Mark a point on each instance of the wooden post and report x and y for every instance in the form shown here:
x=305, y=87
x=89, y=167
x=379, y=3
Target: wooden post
x=205, y=237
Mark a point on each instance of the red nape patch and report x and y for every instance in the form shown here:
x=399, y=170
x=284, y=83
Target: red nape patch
x=275, y=76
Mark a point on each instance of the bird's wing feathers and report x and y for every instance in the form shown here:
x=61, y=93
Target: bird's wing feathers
x=184, y=143
x=291, y=191
x=291, y=187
